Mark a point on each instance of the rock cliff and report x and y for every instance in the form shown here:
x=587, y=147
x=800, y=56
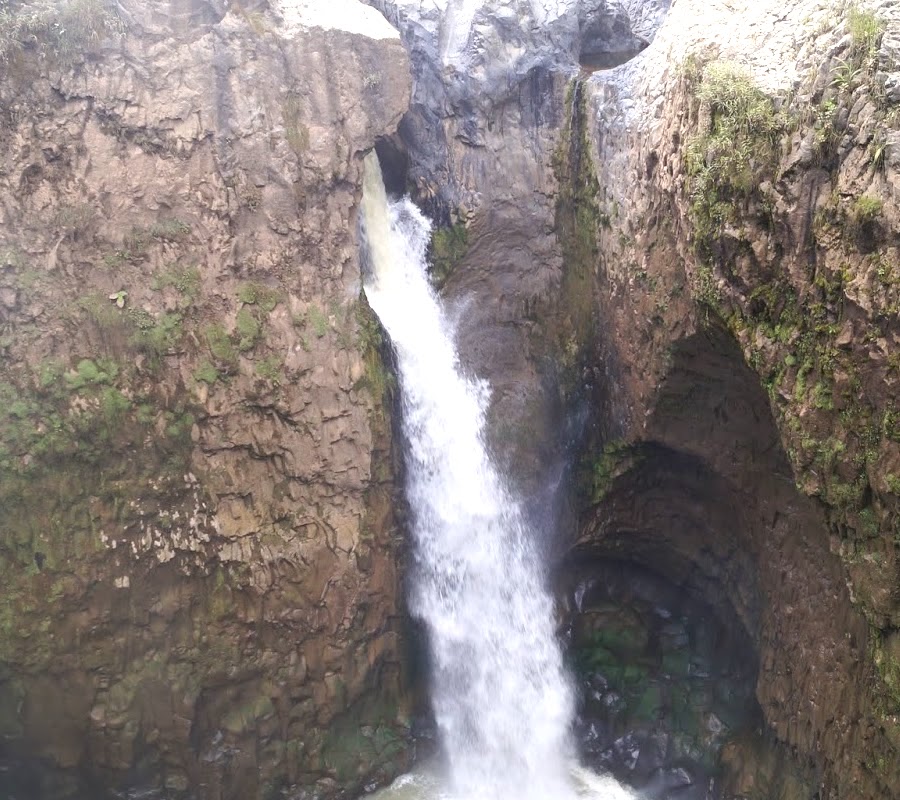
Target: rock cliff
x=745, y=214
x=682, y=265
x=197, y=542
x=669, y=238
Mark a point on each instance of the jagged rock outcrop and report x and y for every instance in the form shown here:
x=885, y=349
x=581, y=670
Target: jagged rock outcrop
x=197, y=530
x=482, y=133
x=197, y=539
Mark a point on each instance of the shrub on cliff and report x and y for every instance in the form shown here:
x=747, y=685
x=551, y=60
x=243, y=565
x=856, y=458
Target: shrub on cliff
x=865, y=29
x=734, y=150
x=53, y=29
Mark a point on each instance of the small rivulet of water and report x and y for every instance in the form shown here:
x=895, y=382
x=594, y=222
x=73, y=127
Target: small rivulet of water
x=502, y=702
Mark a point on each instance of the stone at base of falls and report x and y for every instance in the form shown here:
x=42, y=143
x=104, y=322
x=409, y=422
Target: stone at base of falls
x=666, y=691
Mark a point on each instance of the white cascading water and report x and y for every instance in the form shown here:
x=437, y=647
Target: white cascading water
x=501, y=698
x=456, y=27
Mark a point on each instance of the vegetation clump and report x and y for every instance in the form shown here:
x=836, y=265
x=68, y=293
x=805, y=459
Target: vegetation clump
x=578, y=221
x=54, y=30
x=169, y=230
x=447, y=250
x=866, y=29
x=221, y=348
x=727, y=162
x=269, y=369
x=255, y=294
x=614, y=460
x=184, y=280
x=206, y=373
x=86, y=414
x=248, y=329
x=370, y=343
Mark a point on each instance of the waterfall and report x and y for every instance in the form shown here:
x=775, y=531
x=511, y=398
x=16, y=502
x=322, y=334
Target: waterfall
x=501, y=699
x=456, y=28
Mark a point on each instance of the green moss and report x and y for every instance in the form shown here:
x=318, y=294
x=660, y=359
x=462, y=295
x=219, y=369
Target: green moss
x=615, y=459
x=155, y=336
x=370, y=343
x=179, y=425
x=579, y=222
x=705, y=287
x=91, y=373
x=727, y=162
x=885, y=652
x=221, y=348
x=248, y=329
x=822, y=397
x=206, y=373
x=185, y=280
x=113, y=404
x=448, y=248
x=66, y=419
x=256, y=294
x=365, y=736
x=269, y=369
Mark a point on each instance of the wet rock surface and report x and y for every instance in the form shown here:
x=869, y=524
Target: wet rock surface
x=483, y=131
x=200, y=562
x=663, y=683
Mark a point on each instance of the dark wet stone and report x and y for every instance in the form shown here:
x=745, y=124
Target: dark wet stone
x=653, y=755
x=622, y=757
x=661, y=687
x=665, y=780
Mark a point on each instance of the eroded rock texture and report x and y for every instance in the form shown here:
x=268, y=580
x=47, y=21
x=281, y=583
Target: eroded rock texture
x=750, y=330
x=712, y=319
x=197, y=529
x=197, y=541
x=483, y=137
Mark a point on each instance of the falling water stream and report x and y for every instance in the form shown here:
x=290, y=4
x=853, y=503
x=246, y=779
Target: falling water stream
x=501, y=699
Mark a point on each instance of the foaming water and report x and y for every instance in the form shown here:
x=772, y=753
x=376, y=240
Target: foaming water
x=425, y=785
x=501, y=699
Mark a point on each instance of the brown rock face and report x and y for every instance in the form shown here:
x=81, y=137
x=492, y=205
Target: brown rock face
x=751, y=398
x=197, y=539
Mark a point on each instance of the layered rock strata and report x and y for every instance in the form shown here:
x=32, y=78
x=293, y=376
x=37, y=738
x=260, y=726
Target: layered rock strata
x=705, y=304
x=197, y=542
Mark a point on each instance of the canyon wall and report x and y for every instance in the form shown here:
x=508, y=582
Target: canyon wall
x=678, y=274
x=713, y=329
x=198, y=542
x=745, y=211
